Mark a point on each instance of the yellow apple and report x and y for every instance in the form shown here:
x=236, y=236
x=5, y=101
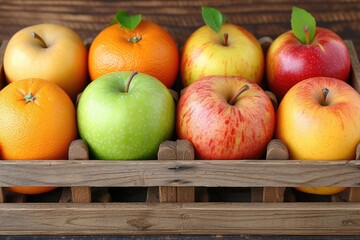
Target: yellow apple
x=49, y=51
x=231, y=51
x=318, y=119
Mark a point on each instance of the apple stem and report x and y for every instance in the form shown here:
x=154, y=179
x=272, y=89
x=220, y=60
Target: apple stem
x=36, y=36
x=307, y=36
x=237, y=94
x=129, y=80
x=325, y=92
x=226, y=39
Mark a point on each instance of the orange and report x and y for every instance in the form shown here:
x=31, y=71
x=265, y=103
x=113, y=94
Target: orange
x=37, y=122
x=148, y=49
x=321, y=190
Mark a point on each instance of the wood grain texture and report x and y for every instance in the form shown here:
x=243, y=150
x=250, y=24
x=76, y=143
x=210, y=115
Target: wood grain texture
x=180, y=18
x=3, y=45
x=78, y=150
x=178, y=150
x=181, y=218
x=211, y=173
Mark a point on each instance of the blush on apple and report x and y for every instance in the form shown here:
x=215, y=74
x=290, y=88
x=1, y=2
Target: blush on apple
x=226, y=117
x=224, y=49
x=290, y=59
x=318, y=119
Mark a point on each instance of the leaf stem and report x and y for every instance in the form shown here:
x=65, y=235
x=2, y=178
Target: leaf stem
x=307, y=36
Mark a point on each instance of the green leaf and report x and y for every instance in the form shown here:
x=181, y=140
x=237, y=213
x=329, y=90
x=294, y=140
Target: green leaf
x=303, y=25
x=126, y=20
x=213, y=18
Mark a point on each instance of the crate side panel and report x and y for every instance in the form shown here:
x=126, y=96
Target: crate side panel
x=211, y=173
x=180, y=218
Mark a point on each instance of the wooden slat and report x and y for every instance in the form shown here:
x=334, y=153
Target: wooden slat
x=354, y=192
x=3, y=45
x=78, y=150
x=180, y=218
x=210, y=173
x=167, y=151
x=185, y=151
x=2, y=84
x=2, y=195
x=355, y=66
x=276, y=150
x=176, y=150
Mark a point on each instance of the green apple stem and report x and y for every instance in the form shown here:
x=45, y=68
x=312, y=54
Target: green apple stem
x=36, y=36
x=237, y=94
x=325, y=92
x=226, y=39
x=129, y=80
x=29, y=98
x=307, y=36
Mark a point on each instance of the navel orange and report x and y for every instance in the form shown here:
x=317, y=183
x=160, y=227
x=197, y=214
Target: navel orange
x=148, y=48
x=37, y=122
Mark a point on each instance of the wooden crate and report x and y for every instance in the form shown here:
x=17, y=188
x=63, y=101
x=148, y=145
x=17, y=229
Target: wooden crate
x=177, y=192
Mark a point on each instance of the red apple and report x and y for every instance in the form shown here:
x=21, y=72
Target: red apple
x=226, y=117
x=318, y=119
x=289, y=60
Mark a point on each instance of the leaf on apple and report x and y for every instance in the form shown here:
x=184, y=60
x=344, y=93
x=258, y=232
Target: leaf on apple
x=213, y=18
x=303, y=25
x=125, y=20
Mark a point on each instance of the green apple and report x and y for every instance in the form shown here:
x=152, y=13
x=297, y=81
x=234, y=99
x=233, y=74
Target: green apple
x=125, y=116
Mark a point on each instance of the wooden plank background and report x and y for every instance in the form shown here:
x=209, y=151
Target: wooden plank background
x=180, y=18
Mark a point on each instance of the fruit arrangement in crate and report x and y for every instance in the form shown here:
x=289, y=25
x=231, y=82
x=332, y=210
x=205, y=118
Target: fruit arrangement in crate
x=187, y=119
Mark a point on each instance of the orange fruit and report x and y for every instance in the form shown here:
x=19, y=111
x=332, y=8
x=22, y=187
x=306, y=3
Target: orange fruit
x=37, y=122
x=148, y=49
x=321, y=190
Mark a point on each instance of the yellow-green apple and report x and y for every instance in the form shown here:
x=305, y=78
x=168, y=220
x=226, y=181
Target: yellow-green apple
x=48, y=51
x=318, y=119
x=228, y=50
x=226, y=117
x=303, y=52
x=125, y=116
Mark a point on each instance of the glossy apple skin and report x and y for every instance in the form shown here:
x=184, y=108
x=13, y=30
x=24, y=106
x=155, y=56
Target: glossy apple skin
x=204, y=54
x=312, y=131
x=63, y=62
x=288, y=61
x=119, y=125
x=219, y=130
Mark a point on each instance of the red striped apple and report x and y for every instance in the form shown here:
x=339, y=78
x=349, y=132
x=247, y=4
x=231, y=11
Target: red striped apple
x=226, y=117
x=291, y=59
x=318, y=119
